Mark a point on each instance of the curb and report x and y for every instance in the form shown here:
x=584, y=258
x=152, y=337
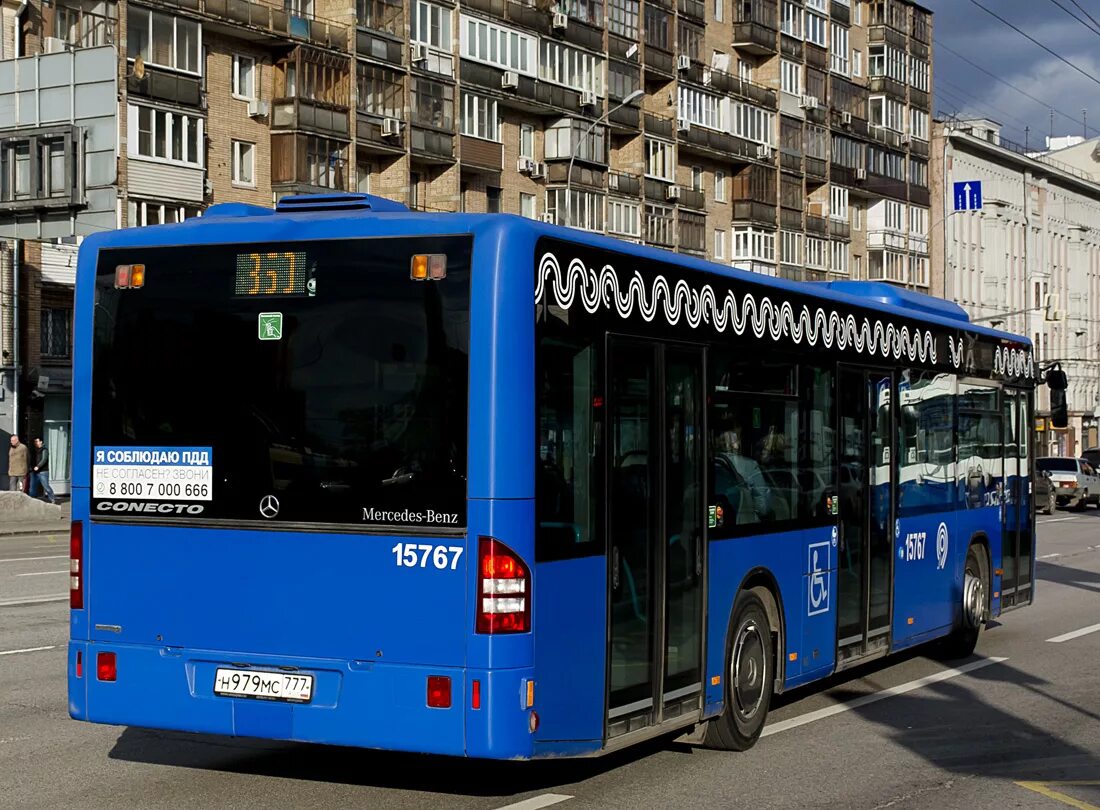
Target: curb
x=35, y=529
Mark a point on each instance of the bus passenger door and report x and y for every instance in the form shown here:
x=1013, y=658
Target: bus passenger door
x=655, y=520
x=865, y=559
x=1016, y=502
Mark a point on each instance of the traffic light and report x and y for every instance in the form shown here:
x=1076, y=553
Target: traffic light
x=1057, y=383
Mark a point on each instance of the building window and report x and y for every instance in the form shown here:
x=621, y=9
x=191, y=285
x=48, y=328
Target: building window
x=720, y=246
x=838, y=55
x=570, y=137
x=857, y=62
x=622, y=18
x=380, y=91
x=719, y=186
x=492, y=199
x=433, y=103
x=918, y=221
x=855, y=216
x=791, y=24
x=325, y=162
x=244, y=77
x=657, y=28
x=702, y=109
x=660, y=160
x=790, y=77
x=817, y=251
x=624, y=218
x=816, y=28
x=163, y=40
x=244, y=163
x=884, y=60
x=839, y=258
x=143, y=212
x=753, y=123
x=790, y=247
x=751, y=245
x=690, y=40
x=527, y=205
x=479, y=117
x=885, y=163
x=39, y=166
x=431, y=25
x=918, y=172
x=622, y=80
x=660, y=226
x=719, y=10
x=166, y=136
x=585, y=209
x=495, y=45
x=887, y=112
x=526, y=141
x=570, y=67
x=918, y=123
x=696, y=178
x=918, y=73
x=56, y=333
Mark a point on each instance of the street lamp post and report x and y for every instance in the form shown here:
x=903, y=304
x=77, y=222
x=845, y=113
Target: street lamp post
x=573, y=152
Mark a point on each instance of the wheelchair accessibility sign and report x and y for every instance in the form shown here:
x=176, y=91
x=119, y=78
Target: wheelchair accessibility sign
x=818, y=580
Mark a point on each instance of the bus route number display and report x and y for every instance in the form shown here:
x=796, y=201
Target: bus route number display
x=268, y=274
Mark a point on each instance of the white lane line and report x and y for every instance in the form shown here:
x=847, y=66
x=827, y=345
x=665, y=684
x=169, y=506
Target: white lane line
x=901, y=689
x=1056, y=520
x=33, y=559
x=1084, y=631
x=534, y=803
x=33, y=600
x=41, y=573
x=27, y=650
x=1049, y=556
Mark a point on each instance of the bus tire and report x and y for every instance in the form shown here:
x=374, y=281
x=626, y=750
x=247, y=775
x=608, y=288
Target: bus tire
x=975, y=600
x=749, y=675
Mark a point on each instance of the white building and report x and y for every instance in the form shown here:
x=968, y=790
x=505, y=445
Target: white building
x=1027, y=262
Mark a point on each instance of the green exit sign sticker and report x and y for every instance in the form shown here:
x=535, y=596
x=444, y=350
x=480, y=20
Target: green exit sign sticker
x=271, y=326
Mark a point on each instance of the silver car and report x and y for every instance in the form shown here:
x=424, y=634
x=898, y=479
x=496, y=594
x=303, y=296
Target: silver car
x=1075, y=481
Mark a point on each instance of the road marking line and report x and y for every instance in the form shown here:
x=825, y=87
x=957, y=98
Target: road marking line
x=28, y=649
x=1049, y=556
x=1044, y=789
x=901, y=689
x=41, y=573
x=32, y=559
x=1056, y=520
x=33, y=600
x=1084, y=631
x=534, y=803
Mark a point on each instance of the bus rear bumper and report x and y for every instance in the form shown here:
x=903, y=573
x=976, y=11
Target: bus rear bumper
x=357, y=703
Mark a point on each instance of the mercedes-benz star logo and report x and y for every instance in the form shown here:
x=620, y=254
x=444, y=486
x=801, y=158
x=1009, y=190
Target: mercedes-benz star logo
x=269, y=506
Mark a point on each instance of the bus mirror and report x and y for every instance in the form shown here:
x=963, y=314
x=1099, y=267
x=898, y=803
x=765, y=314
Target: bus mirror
x=1057, y=383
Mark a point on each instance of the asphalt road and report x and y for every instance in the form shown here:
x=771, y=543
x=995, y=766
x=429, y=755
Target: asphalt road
x=1017, y=725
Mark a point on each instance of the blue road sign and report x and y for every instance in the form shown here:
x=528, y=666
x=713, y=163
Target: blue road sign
x=968, y=195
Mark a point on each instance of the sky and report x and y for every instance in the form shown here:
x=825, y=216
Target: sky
x=963, y=90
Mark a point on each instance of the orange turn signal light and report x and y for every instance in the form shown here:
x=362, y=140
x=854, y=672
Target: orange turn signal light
x=129, y=276
x=428, y=267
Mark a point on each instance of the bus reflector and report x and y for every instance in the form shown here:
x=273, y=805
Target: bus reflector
x=80, y=663
x=475, y=695
x=76, y=567
x=504, y=588
x=530, y=694
x=439, y=691
x=106, y=667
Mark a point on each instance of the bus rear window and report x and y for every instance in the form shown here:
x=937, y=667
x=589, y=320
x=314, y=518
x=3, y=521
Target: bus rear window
x=319, y=382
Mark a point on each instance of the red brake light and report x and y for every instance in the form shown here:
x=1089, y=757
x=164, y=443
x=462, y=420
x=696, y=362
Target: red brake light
x=79, y=664
x=475, y=695
x=503, y=588
x=106, y=667
x=439, y=692
x=76, y=565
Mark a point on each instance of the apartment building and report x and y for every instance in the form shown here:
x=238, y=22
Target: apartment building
x=1029, y=260
x=789, y=137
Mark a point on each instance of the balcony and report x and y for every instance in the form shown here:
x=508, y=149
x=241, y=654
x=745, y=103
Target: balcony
x=378, y=46
x=725, y=82
x=840, y=12
x=918, y=147
x=656, y=125
x=381, y=16
x=431, y=146
x=368, y=134
x=712, y=143
x=920, y=99
x=790, y=219
x=919, y=196
x=310, y=116
x=816, y=169
x=884, y=84
x=693, y=232
x=878, y=34
x=479, y=154
x=629, y=185
x=885, y=187
x=693, y=198
x=754, y=38
x=840, y=229
x=274, y=22
x=791, y=48
x=586, y=176
x=628, y=118
x=816, y=225
x=754, y=212
x=695, y=9
x=166, y=85
x=790, y=161
x=78, y=28
x=658, y=64
x=817, y=57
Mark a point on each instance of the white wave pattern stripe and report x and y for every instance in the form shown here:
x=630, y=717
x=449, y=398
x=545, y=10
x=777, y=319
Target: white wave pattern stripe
x=602, y=289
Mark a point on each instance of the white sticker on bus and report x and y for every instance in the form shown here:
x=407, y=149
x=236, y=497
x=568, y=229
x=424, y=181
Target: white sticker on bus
x=153, y=473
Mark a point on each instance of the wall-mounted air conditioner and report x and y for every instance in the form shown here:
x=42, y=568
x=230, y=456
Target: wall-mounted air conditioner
x=391, y=127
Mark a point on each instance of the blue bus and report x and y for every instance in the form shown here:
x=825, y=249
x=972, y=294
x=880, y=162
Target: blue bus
x=481, y=486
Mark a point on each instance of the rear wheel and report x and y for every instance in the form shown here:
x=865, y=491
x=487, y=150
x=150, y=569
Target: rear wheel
x=1082, y=501
x=750, y=675
x=964, y=639
x=1052, y=506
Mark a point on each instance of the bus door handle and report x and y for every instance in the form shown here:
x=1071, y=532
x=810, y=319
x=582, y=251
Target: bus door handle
x=615, y=567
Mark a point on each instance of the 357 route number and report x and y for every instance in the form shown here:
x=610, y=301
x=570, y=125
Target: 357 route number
x=417, y=555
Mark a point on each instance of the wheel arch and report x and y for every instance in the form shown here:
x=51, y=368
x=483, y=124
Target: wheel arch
x=981, y=540
x=763, y=583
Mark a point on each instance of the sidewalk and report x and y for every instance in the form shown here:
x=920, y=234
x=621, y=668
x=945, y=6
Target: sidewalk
x=21, y=514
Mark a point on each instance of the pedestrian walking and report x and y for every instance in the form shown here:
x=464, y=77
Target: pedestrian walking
x=40, y=475
x=17, y=464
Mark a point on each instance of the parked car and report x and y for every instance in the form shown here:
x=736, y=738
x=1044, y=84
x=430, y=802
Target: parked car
x=1092, y=456
x=1075, y=481
x=1043, y=493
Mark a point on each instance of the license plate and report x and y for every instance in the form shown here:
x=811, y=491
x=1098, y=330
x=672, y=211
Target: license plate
x=285, y=686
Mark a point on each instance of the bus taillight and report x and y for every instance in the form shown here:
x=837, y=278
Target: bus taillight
x=504, y=588
x=76, y=566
